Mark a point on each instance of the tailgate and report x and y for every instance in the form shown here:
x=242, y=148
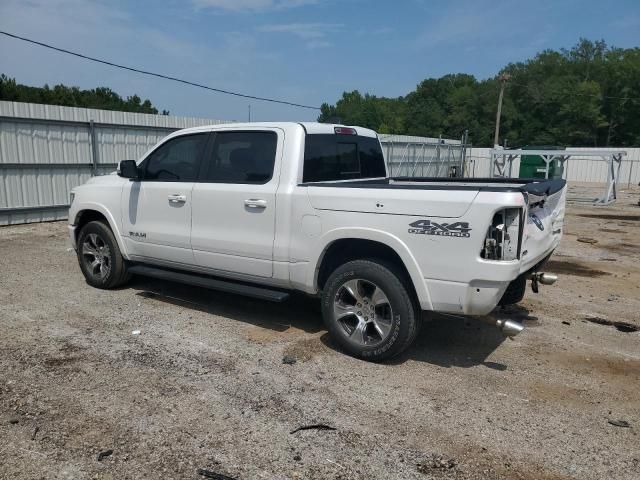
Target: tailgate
x=545, y=218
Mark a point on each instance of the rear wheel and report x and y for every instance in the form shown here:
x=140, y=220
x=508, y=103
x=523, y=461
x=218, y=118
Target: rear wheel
x=369, y=309
x=99, y=256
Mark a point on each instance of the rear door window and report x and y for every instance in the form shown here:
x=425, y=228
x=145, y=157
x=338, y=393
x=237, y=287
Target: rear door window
x=330, y=157
x=242, y=157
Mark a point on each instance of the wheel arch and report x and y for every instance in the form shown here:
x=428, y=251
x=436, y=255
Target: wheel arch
x=96, y=212
x=343, y=246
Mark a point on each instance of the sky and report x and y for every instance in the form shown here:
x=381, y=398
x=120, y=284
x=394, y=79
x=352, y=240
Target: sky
x=302, y=51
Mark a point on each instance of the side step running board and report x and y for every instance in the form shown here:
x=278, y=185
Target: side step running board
x=211, y=283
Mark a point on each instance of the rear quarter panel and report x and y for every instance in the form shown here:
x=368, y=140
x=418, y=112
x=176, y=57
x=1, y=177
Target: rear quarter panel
x=442, y=255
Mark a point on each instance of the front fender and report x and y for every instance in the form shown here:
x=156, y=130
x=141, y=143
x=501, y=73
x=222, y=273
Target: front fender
x=77, y=209
x=384, y=238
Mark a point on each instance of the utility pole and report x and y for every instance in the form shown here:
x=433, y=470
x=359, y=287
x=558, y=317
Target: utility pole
x=503, y=81
x=249, y=113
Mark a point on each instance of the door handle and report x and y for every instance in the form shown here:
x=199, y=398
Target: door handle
x=175, y=198
x=255, y=203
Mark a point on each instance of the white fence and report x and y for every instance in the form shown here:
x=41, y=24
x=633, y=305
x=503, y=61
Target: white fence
x=583, y=170
x=409, y=156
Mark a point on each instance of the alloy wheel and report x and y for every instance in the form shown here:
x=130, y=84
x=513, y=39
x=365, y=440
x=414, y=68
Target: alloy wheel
x=96, y=256
x=363, y=312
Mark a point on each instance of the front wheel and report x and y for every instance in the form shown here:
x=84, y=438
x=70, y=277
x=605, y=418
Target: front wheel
x=99, y=256
x=369, y=309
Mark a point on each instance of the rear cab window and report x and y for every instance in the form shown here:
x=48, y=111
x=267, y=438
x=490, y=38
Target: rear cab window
x=331, y=157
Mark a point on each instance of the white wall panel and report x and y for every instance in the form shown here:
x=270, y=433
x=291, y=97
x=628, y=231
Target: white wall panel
x=50, y=134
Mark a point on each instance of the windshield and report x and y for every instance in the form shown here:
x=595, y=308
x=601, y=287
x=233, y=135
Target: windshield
x=330, y=157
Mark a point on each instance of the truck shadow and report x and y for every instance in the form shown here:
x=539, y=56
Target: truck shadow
x=455, y=341
x=459, y=341
x=444, y=340
x=300, y=311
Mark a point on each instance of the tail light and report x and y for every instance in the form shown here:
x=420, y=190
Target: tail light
x=344, y=131
x=503, y=236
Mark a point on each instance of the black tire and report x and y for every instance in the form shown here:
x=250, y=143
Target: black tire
x=399, y=317
x=99, y=257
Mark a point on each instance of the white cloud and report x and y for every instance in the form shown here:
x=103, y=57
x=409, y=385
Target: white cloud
x=316, y=35
x=251, y=5
x=302, y=30
x=319, y=44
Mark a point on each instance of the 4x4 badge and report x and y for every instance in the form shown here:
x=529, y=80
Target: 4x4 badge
x=427, y=227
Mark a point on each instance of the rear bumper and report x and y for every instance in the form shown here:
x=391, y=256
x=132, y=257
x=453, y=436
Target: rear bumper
x=478, y=297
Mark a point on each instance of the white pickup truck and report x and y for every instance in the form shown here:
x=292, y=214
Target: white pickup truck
x=263, y=209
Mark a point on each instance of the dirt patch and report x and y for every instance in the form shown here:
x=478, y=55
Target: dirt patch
x=602, y=216
x=624, y=327
x=612, y=230
x=183, y=363
x=305, y=349
x=55, y=362
x=558, y=393
x=606, y=366
x=623, y=248
x=571, y=268
x=587, y=240
x=265, y=335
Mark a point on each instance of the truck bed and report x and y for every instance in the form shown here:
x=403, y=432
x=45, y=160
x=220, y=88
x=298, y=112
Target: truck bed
x=533, y=186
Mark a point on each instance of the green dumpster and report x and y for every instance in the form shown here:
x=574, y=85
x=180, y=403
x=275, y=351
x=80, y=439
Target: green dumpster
x=533, y=166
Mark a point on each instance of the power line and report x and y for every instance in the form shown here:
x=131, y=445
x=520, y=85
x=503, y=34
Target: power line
x=159, y=75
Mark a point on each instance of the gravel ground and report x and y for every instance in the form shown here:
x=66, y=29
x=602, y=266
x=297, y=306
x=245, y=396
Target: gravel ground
x=203, y=385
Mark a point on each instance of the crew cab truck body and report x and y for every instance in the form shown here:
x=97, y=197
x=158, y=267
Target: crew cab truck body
x=266, y=208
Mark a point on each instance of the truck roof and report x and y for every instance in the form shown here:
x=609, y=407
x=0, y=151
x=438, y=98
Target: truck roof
x=309, y=127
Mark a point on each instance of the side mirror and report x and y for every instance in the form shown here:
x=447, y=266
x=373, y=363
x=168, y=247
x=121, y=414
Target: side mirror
x=128, y=169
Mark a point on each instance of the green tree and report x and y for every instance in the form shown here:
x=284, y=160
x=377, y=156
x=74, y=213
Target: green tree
x=588, y=95
x=101, y=97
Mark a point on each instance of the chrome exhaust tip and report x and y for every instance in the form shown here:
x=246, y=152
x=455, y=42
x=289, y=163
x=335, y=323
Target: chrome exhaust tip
x=509, y=327
x=544, y=278
x=548, y=278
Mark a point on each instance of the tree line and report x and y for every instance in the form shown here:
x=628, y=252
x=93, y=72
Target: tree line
x=588, y=95
x=101, y=97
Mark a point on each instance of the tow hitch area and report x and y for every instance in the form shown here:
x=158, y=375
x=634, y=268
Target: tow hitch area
x=538, y=278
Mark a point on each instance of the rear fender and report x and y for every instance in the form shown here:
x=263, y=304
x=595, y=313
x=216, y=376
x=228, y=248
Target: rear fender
x=384, y=238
